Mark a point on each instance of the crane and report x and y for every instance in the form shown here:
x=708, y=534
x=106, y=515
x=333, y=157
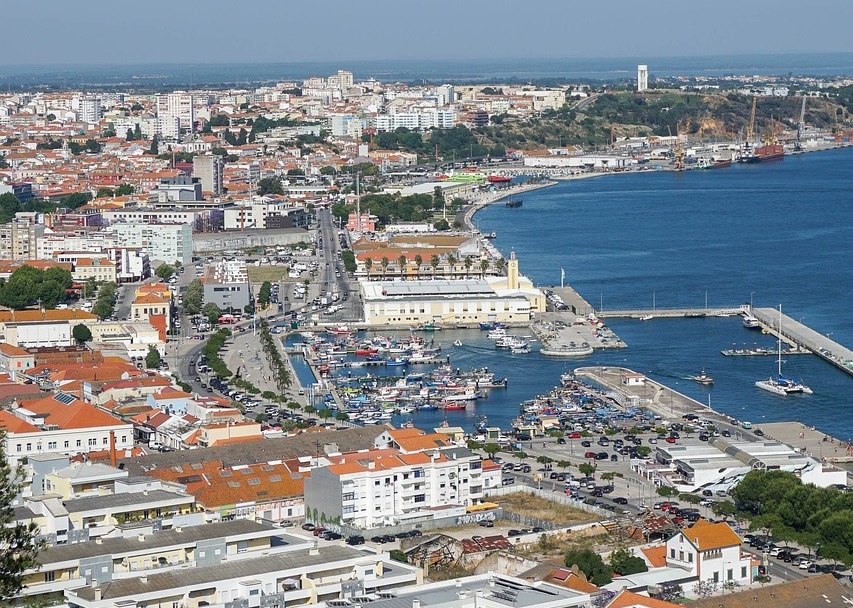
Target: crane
x=801, y=125
x=750, y=128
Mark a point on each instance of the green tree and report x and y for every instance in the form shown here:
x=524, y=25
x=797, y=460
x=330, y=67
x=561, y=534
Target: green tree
x=401, y=262
x=484, y=266
x=129, y=135
x=104, y=193
x=136, y=108
x=81, y=333
x=341, y=416
x=384, y=263
x=270, y=185
x=491, y=449
x=152, y=359
x=667, y=491
x=434, y=261
x=624, y=562
x=590, y=563
x=264, y=293
x=9, y=206
x=124, y=190
x=93, y=146
x=724, y=508
x=155, y=146
x=165, y=271
x=18, y=540
x=17, y=294
x=586, y=469
x=194, y=297
x=451, y=263
x=212, y=312
x=50, y=293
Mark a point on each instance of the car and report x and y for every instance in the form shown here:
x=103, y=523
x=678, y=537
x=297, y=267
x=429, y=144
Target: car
x=813, y=568
x=389, y=538
x=620, y=500
x=602, y=456
x=308, y=527
x=589, y=455
x=597, y=492
x=586, y=444
x=804, y=565
x=331, y=535
x=670, y=439
x=513, y=532
x=653, y=440
x=614, y=457
x=727, y=433
x=759, y=432
x=486, y=523
x=575, y=435
x=607, y=489
x=319, y=530
x=414, y=533
x=707, y=492
x=561, y=440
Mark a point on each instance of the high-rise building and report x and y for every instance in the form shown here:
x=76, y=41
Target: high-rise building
x=90, y=110
x=175, y=113
x=642, y=78
x=209, y=169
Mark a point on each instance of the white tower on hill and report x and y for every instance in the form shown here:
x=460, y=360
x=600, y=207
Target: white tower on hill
x=642, y=78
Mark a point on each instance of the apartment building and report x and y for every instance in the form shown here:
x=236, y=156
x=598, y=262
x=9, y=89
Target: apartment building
x=175, y=114
x=19, y=240
x=209, y=169
x=97, y=268
x=386, y=487
x=63, y=424
x=161, y=241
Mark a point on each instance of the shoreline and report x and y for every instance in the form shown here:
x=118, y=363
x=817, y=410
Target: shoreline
x=490, y=198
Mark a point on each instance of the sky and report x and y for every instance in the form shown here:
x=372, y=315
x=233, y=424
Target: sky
x=56, y=32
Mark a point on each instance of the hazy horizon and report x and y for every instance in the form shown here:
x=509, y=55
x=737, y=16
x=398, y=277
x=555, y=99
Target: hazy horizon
x=98, y=32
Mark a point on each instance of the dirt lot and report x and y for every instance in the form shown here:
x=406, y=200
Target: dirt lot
x=534, y=506
x=259, y=274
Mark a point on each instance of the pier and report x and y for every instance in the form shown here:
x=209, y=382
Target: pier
x=651, y=313
x=803, y=336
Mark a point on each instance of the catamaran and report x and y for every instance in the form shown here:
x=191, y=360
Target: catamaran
x=780, y=385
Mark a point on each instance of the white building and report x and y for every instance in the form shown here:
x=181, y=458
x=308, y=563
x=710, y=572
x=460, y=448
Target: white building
x=164, y=242
x=209, y=168
x=175, y=113
x=62, y=424
x=385, y=487
x=226, y=284
x=90, y=110
x=642, y=78
x=711, y=552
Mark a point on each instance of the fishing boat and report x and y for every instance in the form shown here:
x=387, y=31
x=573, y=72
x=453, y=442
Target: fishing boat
x=396, y=361
x=363, y=352
x=514, y=203
x=339, y=330
x=499, y=179
x=702, y=378
x=453, y=405
x=780, y=385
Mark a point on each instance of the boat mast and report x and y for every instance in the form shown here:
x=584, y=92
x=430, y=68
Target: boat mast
x=779, y=343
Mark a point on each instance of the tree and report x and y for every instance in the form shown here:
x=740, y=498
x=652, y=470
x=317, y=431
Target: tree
x=9, y=206
x=264, y=293
x=368, y=264
x=419, y=260
x=50, y=293
x=724, y=508
x=165, y=271
x=500, y=264
x=194, y=297
x=341, y=417
x=564, y=464
x=152, y=359
x=624, y=562
x=81, y=333
x=270, y=185
x=129, y=136
x=384, y=263
x=104, y=193
x=17, y=294
x=586, y=469
x=155, y=146
x=484, y=266
x=451, y=262
x=491, y=449
x=608, y=476
x=212, y=312
x=590, y=563
x=468, y=264
x=124, y=190
x=441, y=225
x=401, y=261
x=434, y=261
x=17, y=540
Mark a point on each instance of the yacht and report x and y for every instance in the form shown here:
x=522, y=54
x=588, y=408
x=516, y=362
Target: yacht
x=780, y=385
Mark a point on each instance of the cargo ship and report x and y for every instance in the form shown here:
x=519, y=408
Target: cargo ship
x=770, y=152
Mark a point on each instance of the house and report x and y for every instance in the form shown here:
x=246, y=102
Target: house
x=629, y=599
x=711, y=552
x=145, y=307
x=812, y=592
x=169, y=400
x=14, y=359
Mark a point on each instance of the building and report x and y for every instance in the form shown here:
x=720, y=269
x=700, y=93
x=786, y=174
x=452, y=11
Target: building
x=181, y=188
x=19, y=240
x=39, y=329
x=387, y=487
x=265, y=214
x=97, y=268
x=209, y=169
x=710, y=552
x=90, y=110
x=145, y=307
x=160, y=241
x=812, y=592
x=226, y=284
x=642, y=78
x=62, y=424
x=175, y=114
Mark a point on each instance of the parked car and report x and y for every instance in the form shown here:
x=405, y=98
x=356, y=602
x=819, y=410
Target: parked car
x=355, y=540
x=620, y=500
x=308, y=527
x=486, y=523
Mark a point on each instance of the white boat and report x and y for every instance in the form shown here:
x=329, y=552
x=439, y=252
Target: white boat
x=494, y=334
x=751, y=322
x=468, y=395
x=571, y=350
x=780, y=385
x=647, y=317
x=457, y=343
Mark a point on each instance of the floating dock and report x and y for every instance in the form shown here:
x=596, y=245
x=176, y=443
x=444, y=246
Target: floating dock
x=652, y=313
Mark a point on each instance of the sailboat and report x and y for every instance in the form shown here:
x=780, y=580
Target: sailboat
x=780, y=385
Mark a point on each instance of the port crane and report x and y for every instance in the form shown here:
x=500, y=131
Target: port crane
x=801, y=125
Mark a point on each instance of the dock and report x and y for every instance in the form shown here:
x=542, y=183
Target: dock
x=802, y=336
x=652, y=313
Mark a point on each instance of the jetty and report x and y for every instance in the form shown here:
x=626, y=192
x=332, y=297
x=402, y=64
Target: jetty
x=651, y=313
x=804, y=337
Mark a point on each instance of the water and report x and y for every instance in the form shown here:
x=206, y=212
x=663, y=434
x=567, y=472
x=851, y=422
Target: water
x=780, y=232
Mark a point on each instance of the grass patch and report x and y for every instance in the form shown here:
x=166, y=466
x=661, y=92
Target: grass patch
x=259, y=274
x=535, y=506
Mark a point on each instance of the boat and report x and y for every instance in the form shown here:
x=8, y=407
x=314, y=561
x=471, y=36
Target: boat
x=514, y=203
x=780, y=385
x=702, y=378
x=499, y=179
x=363, y=352
x=339, y=330
x=721, y=163
x=571, y=350
x=457, y=343
x=770, y=152
x=751, y=322
x=454, y=405
x=490, y=235
x=396, y=361
x=647, y=317
x=521, y=349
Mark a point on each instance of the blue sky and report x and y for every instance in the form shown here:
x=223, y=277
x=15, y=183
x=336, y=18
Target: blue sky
x=247, y=31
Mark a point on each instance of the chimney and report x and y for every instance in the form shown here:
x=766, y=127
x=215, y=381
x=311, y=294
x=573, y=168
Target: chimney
x=113, y=460
x=99, y=541
x=143, y=579
x=141, y=537
x=416, y=603
x=97, y=594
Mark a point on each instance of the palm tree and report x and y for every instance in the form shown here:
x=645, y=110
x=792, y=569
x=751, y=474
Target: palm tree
x=368, y=264
x=384, y=264
x=451, y=262
x=434, y=261
x=402, y=262
x=484, y=266
x=500, y=264
x=468, y=263
x=418, y=262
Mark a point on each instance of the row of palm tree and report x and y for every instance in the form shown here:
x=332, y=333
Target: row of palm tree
x=434, y=262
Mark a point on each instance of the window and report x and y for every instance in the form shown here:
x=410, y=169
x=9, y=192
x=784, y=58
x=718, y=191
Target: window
x=79, y=443
x=420, y=498
x=743, y=572
x=93, y=442
x=681, y=556
x=672, y=553
x=66, y=444
x=49, y=577
x=18, y=446
x=716, y=577
x=105, y=441
x=690, y=558
x=51, y=445
x=729, y=574
x=29, y=447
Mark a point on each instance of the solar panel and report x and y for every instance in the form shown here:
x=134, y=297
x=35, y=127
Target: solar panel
x=65, y=398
